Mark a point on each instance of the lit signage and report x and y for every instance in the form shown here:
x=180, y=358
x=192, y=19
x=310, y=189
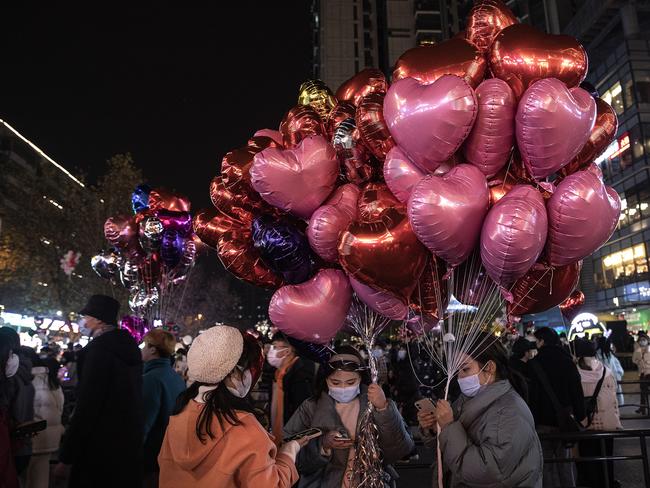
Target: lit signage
x=616, y=148
x=585, y=323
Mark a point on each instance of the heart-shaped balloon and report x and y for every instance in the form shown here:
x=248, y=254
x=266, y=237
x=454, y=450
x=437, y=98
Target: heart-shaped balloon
x=582, y=215
x=374, y=199
x=553, y=124
x=342, y=111
x=431, y=296
x=313, y=311
x=121, y=231
x=602, y=135
x=274, y=135
x=384, y=254
x=543, y=287
x=162, y=199
x=572, y=305
x=210, y=224
x=238, y=206
x=447, y=212
x=522, y=54
x=486, y=19
x=328, y=221
x=430, y=122
x=372, y=126
x=300, y=122
x=452, y=57
x=489, y=144
x=180, y=222
x=365, y=82
x=380, y=301
x=296, y=180
x=514, y=234
x=401, y=174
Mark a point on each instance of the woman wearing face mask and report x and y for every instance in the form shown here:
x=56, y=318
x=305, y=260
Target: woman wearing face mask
x=342, y=395
x=641, y=358
x=8, y=368
x=214, y=439
x=487, y=438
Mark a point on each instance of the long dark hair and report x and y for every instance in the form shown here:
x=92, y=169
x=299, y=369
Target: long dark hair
x=488, y=348
x=604, y=345
x=326, y=371
x=219, y=403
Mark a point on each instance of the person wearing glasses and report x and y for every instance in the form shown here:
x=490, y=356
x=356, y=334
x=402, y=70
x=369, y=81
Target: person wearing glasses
x=342, y=394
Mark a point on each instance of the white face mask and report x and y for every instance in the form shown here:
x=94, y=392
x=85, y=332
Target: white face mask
x=276, y=356
x=377, y=353
x=344, y=394
x=243, y=385
x=643, y=343
x=471, y=385
x=12, y=365
x=83, y=329
x=401, y=355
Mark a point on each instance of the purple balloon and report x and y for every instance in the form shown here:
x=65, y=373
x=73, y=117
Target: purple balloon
x=400, y=174
x=553, y=124
x=489, y=145
x=136, y=326
x=430, y=122
x=171, y=248
x=447, y=212
x=313, y=311
x=180, y=222
x=514, y=234
x=382, y=302
x=582, y=215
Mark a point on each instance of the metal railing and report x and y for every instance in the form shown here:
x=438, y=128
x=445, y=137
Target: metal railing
x=602, y=436
x=643, y=394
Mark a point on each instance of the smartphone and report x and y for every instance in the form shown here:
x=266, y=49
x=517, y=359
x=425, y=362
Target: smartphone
x=29, y=429
x=425, y=405
x=309, y=434
x=343, y=436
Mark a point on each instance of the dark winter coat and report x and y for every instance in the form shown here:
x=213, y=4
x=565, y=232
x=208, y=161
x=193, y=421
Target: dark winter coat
x=564, y=378
x=161, y=387
x=104, y=439
x=21, y=402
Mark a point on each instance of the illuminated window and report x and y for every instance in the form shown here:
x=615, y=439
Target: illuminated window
x=614, y=96
x=625, y=263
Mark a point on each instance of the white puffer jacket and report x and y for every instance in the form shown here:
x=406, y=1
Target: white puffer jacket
x=607, y=415
x=641, y=358
x=48, y=405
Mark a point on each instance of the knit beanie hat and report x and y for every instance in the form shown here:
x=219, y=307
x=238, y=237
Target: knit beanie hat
x=214, y=354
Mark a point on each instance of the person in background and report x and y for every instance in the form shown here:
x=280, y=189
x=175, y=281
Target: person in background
x=606, y=416
x=641, y=357
x=555, y=367
x=20, y=392
x=48, y=406
x=293, y=382
x=405, y=383
x=180, y=362
x=161, y=386
x=379, y=353
x=342, y=395
x=8, y=368
x=522, y=351
x=605, y=355
x=102, y=446
x=213, y=438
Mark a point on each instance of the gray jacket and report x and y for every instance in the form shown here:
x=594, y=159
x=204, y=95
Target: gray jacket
x=317, y=470
x=493, y=442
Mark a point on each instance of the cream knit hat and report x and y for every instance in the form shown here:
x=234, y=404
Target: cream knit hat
x=214, y=354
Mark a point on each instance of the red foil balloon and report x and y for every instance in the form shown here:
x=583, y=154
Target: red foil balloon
x=572, y=305
x=521, y=55
x=372, y=126
x=365, y=82
x=237, y=206
x=452, y=57
x=374, y=199
x=342, y=111
x=431, y=295
x=543, y=287
x=299, y=123
x=384, y=254
x=161, y=198
x=209, y=225
x=601, y=136
x=351, y=153
x=486, y=19
x=274, y=135
x=121, y=230
x=235, y=170
x=501, y=184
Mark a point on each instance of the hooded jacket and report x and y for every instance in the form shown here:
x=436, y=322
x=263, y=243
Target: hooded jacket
x=103, y=441
x=237, y=455
x=492, y=442
x=607, y=414
x=48, y=406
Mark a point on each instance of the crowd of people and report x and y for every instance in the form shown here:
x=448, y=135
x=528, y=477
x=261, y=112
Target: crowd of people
x=229, y=411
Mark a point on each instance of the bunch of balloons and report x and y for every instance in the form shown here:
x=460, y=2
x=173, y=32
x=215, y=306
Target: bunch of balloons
x=151, y=252
x=482, y=146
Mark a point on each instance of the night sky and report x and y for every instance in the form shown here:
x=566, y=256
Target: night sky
x=178, y=88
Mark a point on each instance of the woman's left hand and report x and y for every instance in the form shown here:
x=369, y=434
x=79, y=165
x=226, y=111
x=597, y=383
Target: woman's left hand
x=377, y=397
x=444, y=413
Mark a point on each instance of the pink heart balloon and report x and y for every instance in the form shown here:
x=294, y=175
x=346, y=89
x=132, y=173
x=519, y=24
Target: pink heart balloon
x=553, y=123
x=296, y=180
x=430, y=122
x=582, y=215
x=446, y=212
x=514, y=234
x=400, y=174
x=271, y=134
x=489, y=145
x=346, y=197
x=315, y=310
x=383, y=302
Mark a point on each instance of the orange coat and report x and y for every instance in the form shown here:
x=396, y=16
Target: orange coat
x=238, y=456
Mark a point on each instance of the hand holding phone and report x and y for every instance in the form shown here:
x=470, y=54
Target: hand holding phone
x=425, y=405
x=337, y=440
x=308, y=435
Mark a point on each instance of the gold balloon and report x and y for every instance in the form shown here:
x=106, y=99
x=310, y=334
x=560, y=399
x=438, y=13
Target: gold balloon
x=317, y=95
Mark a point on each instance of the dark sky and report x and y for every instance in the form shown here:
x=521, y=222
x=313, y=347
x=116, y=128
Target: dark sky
x=177, y=88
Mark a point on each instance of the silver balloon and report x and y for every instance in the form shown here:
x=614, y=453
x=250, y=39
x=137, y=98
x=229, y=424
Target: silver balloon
x=351, y=154
x=105, y=264
x=151, y=229
x=142, y=299
x=129, y=274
